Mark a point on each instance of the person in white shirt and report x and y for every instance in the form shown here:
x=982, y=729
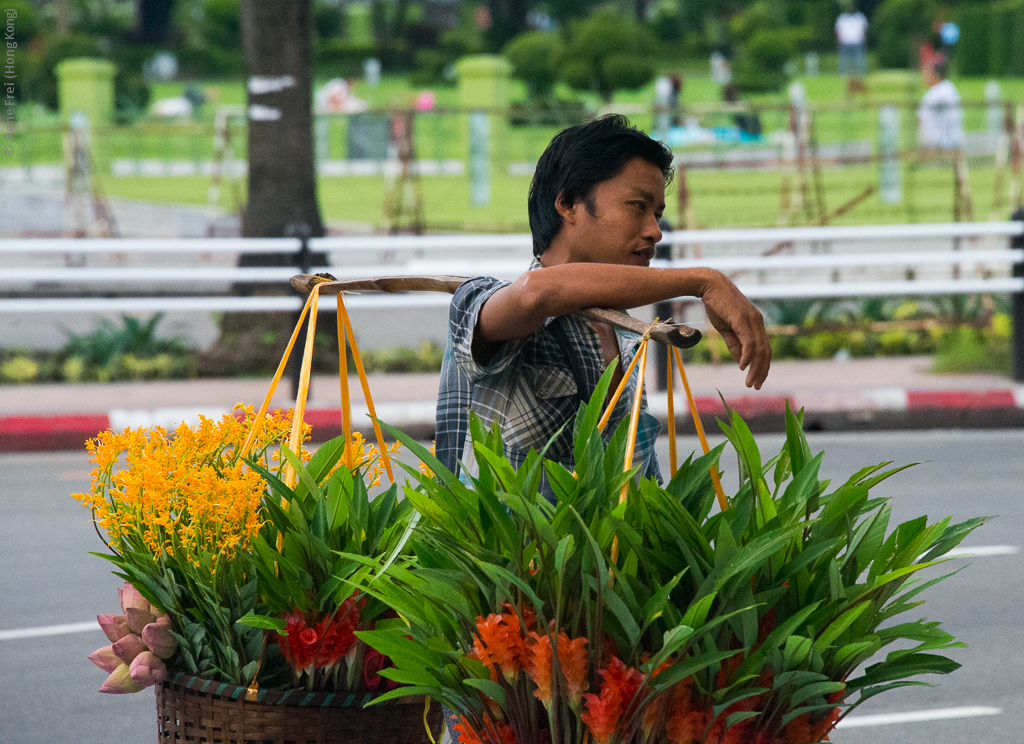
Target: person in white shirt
x=940, y=117
x=851, y=33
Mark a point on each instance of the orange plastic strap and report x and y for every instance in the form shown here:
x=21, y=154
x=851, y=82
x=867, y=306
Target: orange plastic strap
x=346, y=404
x=641, y=355
x=625, y=380
x=257, y=423
x=299, y=412
x=700, y=431
x=672, y=460
x=366, y=387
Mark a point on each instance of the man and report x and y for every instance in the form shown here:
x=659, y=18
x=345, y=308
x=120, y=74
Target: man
x=517, y=356
x=940, y=117
x=851, y=33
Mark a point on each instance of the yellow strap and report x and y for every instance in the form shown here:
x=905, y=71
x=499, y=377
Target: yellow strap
x=635, y=418
x=257, y=423
x=295, y=443
x=634, y=421
x=671, y=419
x=346, y=405
x=700, y=430
x=426, y=723
x=625, y=380
x=366, y=387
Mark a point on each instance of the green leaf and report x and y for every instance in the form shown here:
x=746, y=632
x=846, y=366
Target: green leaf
x=840, y=624
x=491, y=689
x=266, y=622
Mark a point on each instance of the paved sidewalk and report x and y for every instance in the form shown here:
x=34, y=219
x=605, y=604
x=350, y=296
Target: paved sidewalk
x=891, y=393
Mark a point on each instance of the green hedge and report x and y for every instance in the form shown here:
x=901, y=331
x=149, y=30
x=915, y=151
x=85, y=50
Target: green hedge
x=991, y=39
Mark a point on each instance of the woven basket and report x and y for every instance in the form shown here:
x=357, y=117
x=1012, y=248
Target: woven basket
x=191, y=709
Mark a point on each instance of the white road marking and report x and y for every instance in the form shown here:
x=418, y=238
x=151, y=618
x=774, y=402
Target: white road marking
x=47, y=630
x=983, y=551
x=918, y=716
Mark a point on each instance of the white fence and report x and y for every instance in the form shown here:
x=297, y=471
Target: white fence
x=826, y=271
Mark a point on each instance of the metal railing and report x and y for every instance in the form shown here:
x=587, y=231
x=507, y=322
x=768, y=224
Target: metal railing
x=357, y=257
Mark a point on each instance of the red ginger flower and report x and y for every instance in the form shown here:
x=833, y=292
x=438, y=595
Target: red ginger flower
x=468, y=735
x=499, y=643
x=616, y=700
x=300, y=646
x=686, y=721
x=572, y=658
x=338, y=633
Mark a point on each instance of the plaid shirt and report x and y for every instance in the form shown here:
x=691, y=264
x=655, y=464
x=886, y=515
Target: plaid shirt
x=528, y=386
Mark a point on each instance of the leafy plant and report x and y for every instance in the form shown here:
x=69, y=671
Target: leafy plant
x=302, y=557
x=132, y=350
x=652, y=618
x=180, y=511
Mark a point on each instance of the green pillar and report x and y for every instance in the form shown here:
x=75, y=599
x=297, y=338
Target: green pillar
x=359, y=29
x=87, y=86
x=483, y=96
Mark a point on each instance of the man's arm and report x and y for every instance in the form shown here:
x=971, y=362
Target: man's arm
x=522, y=307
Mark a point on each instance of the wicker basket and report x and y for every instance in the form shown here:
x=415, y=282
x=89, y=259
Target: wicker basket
x=191, y=709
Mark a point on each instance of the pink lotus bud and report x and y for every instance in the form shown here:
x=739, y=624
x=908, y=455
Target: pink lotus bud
x=130, y=597
x=105, y=659
x=115, y=627
x=128, y=648
x=138, y=618
x=147, y=669
x=120, y=682
x=158, y=637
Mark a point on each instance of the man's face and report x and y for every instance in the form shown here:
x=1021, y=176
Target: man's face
x=621, y=225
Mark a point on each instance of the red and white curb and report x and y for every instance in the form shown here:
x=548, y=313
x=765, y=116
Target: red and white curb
x=875, y=400
x=70, y=431
x=42, y=432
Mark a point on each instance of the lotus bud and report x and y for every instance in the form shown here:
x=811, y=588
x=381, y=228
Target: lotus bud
x=158, y=637
x=105, y=659
x=147, y=669
x=120, y=682
x=128, y=648
x=130, y=597
x=138, y=618
x=115, y=627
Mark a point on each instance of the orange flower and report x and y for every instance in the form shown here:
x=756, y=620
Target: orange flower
x=495, y=733
x=539, y=668
x=466, y=734
x=572, y=658
x=798, y=731
x=686, y=722
x=499, y=644
x=185, y=494
x=617, y=699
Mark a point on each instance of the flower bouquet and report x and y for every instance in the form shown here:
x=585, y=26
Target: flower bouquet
x=650, y=618
x=237, y=607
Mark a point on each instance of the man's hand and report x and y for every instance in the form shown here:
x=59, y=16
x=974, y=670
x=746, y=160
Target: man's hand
x=741, y=326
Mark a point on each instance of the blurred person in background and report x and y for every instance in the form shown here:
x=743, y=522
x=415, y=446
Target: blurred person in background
x=940, y=117
x=851, y=33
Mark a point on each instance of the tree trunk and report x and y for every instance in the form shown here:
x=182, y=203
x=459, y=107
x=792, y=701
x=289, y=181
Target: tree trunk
x=278, y=47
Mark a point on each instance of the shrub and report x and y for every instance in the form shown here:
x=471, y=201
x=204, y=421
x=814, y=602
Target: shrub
x=760, y=66
x=596, y=40
x=898, y=26
x=534, y=58
x=19, y=370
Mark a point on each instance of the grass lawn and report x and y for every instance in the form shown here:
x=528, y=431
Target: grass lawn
x=721, y=198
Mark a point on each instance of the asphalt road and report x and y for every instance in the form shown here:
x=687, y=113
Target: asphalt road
x=48, y=688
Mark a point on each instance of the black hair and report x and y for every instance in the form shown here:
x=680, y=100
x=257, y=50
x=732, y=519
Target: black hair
x=577, y=160
x=941, y=69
